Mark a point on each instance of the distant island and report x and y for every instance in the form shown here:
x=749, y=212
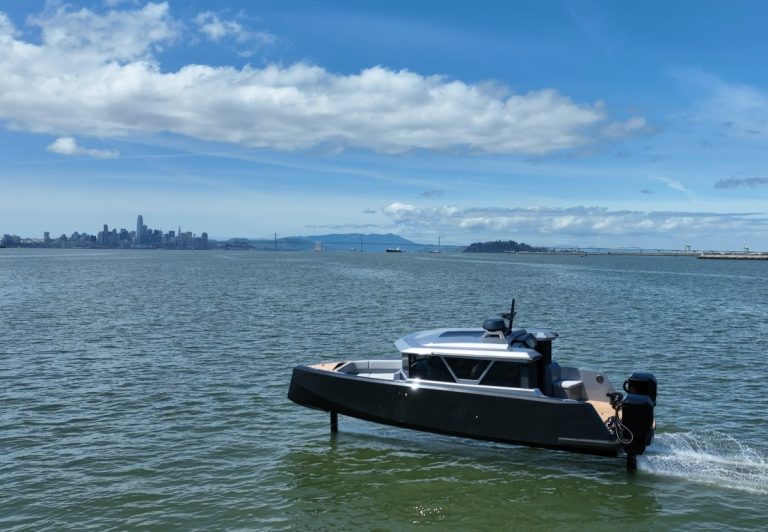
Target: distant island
x=501, y=246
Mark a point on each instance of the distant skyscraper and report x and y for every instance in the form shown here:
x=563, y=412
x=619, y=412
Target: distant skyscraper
x=140, y=230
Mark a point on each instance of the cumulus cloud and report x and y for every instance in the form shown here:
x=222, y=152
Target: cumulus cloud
x=572, y=221
x=7, y=31
x=211, y=25
x=98, y=74
x=76, y=41
x=68, y=146
x=217, y=29
x=750, y=182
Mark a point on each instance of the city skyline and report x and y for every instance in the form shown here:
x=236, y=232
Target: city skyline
x=142, y=237
x=573, y=123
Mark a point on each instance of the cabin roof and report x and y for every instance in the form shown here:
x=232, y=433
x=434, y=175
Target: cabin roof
x=476, y=342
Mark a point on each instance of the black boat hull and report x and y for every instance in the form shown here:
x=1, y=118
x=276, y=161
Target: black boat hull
x=494, y=416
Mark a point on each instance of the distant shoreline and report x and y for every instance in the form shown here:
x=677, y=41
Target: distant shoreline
x=715, y=255
x=709, y=255
x=612, y=253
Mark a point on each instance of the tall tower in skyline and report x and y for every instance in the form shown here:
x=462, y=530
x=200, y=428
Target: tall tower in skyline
x=140, y=230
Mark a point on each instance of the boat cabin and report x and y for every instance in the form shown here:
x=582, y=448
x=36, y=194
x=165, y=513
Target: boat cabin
x=521, y=359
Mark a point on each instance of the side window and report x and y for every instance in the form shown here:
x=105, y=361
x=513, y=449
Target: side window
x=533, y=376
x=467, y=368
x=430, y=368
x=511, y=374
x=503, y=374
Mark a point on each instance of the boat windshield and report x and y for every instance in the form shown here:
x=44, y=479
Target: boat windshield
x=510, y=374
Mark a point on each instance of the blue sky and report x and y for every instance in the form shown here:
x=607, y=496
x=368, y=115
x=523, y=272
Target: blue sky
x=554, y=123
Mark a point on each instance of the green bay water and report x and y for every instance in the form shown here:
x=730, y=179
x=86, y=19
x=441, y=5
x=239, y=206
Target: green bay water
x=148, y=389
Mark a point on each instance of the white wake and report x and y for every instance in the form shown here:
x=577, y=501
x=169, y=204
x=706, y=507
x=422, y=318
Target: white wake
x=707, y=457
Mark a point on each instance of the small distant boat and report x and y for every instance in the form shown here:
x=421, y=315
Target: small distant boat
x=495, y=383
x=394, y=250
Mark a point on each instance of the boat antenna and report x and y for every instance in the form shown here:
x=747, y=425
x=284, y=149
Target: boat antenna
x=510, y=316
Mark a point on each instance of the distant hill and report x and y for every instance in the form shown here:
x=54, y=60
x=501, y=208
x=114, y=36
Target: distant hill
x=500, y=246
x=371, y=242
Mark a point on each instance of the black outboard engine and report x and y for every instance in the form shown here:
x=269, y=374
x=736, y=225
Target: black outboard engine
x=643, y=384
x=637, y=416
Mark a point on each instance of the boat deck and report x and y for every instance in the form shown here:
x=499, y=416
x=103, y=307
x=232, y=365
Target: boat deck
x=327, y=366
x=604, y=409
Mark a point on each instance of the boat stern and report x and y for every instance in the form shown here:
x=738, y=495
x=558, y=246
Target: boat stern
x=637, y=424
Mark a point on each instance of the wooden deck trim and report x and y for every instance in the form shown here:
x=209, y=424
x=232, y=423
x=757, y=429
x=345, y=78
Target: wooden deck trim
x=603, y=409
x=327, y=366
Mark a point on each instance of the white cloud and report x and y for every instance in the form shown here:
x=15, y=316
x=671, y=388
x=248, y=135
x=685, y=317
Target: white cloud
x=246, y=42
x=98, y=75
x=68, y=146
x=741, y=109
x=76, y=41
x=630, y=126
x=216, y=29
x=573, y=221
x=7, y=31
x=672, y=184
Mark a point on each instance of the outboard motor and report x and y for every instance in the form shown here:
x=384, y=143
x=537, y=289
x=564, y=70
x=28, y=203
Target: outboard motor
x=643, y=384
x=637, y=422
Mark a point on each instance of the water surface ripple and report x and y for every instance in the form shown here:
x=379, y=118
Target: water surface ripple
x=148, y=389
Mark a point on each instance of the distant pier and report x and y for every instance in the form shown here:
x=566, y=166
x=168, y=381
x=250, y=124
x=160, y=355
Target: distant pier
x=733, y=256
x=614, y=253
x=720, y=255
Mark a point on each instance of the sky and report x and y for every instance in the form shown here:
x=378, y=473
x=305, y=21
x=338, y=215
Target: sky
x=574, y=123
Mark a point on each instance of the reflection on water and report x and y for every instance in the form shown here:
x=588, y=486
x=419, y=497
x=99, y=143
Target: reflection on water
x=396, y=478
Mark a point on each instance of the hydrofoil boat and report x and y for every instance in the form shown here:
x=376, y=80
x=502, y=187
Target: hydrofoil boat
x=496, y=382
